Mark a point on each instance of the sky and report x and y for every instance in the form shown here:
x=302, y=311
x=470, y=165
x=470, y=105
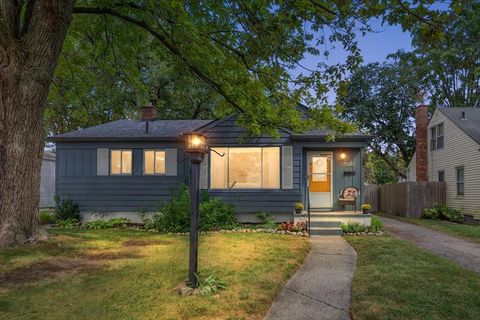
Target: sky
x=375, y=47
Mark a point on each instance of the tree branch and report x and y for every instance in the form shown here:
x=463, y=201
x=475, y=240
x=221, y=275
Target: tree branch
x=418, y=17
x=388, y=162
x=165, y=41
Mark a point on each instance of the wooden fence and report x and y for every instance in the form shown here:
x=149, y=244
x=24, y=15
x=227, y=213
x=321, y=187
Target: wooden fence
x=407, y=199
x=370, y=195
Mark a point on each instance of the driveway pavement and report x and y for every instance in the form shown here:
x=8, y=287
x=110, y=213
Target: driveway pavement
x=321, y=288
x=464, y=252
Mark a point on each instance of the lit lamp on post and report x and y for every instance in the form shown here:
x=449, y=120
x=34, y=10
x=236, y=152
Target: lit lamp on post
x=196, y=149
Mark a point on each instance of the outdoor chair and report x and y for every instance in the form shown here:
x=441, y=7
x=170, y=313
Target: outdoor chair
x=348, y=197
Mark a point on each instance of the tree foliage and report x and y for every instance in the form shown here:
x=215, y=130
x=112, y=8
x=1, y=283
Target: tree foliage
x=381, y=100
x=379, y=171
x=107, y=70
x=448, y=70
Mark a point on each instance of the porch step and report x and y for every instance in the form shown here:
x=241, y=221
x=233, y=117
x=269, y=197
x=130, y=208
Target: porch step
x=326, y=231
x=320, y=215
x=317, y=223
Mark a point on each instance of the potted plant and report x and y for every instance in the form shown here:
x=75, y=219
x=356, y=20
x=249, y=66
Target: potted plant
x=298, y=207
x=366, y=208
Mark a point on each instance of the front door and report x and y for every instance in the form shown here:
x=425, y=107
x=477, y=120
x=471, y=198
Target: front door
x=320, y=179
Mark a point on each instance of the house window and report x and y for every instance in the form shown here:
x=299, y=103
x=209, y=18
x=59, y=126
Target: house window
x=154, y=162
x=120, y=162
x=460, y=181
x=441, y=176
x=436, y=137
x=245, y=168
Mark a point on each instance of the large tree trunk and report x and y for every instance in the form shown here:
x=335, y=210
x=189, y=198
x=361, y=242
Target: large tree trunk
x=30, y=45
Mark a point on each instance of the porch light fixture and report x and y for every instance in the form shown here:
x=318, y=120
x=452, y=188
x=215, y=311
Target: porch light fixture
x=196, y=149
x=196, y=143
x=343, y=156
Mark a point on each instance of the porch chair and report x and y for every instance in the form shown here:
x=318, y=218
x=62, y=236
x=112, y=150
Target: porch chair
x=348, y=197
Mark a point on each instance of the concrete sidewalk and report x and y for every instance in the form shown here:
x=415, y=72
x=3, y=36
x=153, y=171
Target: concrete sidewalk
x=465, y=253
x=321, y=288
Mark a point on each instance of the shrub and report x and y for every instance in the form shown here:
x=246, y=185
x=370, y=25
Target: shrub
x=375, y=225
x=442, y=212
x=267, y=221
x=66, y=209
x=46, y=218
x=291, y=226
x=107, y=224
x=210, y=285
x=68, y=223
x=355, y=227
x=215, y=215
x=174, y=216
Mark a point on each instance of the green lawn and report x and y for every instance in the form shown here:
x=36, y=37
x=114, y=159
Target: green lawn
x=465, y=231
x=397, y=280
x=114, y=274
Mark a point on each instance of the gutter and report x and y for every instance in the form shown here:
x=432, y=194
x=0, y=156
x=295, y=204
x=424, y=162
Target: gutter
x=90, y=139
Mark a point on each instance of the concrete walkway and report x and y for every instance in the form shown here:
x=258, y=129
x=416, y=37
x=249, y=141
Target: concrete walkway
x=321, y=288
x=466, y=253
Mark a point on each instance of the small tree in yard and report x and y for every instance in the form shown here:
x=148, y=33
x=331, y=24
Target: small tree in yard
x=243, y=51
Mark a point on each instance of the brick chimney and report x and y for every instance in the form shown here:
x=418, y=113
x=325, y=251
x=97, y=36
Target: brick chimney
x=148, y=112
x=421, y=131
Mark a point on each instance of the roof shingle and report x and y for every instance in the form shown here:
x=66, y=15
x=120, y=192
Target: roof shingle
x=470, y=125
x=133, y=130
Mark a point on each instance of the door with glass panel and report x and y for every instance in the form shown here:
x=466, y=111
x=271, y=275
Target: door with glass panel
x=320, y=179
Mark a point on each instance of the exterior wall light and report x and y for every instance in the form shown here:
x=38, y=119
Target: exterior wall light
x=343, y=156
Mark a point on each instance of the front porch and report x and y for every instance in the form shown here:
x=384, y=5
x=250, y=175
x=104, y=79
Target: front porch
x=329, y=223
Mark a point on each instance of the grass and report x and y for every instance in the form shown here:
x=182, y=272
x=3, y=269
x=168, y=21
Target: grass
x=465, y=231
x=126, y=274
x=397, y=280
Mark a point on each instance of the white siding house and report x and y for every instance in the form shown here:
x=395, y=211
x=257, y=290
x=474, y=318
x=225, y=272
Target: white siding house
x=47, y=180
x=454, y=156
x=411, y=174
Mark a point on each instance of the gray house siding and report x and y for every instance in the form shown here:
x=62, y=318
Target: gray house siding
x=280, y=203
x=77, y=177
x=339, y=178
x=47, y=181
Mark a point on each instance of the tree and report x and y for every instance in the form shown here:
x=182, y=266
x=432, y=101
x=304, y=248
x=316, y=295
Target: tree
x=241, y=50
x=99, y=79
x=378, y=171
x=449, y=68
x=381, y=100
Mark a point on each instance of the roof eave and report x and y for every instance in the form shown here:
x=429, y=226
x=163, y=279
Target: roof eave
x=337, y=138
x=89, y=139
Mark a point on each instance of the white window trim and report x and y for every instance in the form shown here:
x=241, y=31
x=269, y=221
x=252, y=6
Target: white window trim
x=458, y=181
x=154, y=162
x=227, y=154
x=121, y=163
x=437, y=136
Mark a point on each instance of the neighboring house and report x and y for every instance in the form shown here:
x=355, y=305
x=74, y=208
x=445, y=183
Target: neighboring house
x=47, y=180
x=129, y=166
x=451, y=152
x=411, y=174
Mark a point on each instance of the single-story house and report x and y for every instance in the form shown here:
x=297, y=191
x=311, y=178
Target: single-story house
x=129, y=166
x=47, y=180
x=449, y=150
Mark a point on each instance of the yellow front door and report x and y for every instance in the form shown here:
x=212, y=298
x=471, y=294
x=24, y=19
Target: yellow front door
x=320, y=179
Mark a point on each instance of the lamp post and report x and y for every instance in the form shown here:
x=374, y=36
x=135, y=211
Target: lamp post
x=196, y=149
